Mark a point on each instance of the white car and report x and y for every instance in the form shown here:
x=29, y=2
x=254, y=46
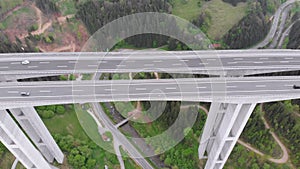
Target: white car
x=25, y=62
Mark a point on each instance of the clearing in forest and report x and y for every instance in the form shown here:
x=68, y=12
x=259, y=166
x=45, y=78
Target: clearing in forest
x=223, y=15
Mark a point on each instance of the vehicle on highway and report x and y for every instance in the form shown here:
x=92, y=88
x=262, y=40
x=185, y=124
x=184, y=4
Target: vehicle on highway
x=296, y=87
x=25, y=62
x=25, y=93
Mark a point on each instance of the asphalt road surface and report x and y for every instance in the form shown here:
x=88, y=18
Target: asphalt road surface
x=235, y=61
x=238, y=89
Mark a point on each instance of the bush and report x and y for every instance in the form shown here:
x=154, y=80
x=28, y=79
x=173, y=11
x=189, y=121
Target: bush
x=60, y=109
x=63, y=78
x=33, y=28
x=72, y=77
x=47, y=39
x=46, y=114
x=37, y=37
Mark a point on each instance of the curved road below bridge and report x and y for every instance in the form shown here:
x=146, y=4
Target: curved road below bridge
x=275, y=23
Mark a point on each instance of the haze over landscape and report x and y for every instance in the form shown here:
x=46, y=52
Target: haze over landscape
x=245, y=51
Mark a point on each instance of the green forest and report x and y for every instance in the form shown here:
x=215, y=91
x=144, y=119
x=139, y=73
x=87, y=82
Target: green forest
x=282, y=116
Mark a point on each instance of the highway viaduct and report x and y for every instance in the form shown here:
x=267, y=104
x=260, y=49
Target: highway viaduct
x=233, y=96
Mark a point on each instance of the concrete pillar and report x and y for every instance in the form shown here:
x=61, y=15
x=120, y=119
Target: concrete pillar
x=19, y=145
x=32, y=124
x=222, y=129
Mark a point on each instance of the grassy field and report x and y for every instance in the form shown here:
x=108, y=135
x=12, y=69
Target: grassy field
x=91, y=128
x=124, y=107
x=66, y=7
x=187, y=9
x=20, y=19
x=223, y=15
x=9, y=4
x=68, y=124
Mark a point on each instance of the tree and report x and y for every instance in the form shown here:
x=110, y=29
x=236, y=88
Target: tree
x=266, y=166
x=46, y=114
x=91, y=163
x=47, y=39
x=72, y=77
x=60, y=109
x=79, y=161
x=168, y=161
x=63, y=77
x=85, y=151
x=255, y=166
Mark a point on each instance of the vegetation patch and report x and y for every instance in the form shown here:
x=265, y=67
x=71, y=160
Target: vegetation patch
x=66, y=7
x=241, y=157
x=258, y=136
x=6, y=5
x=220, y=16
x=281, y=116
x=66, y=124
x=21, y=20
x=81, y=152
x=91, y=128
x=223, y=17
x=187, y=9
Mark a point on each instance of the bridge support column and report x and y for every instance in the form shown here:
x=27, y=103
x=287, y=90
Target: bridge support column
x=222, y=129
x=38, y=133
x=19, y=145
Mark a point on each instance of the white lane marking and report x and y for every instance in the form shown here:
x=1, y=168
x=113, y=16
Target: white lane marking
x=45, y=91
x=201, y=87
x=176, y=64
x=148, y=64
x=4, y=67
x=288, y=85
x=62, y=66
x=77, y=90
x=284, y=61
x=44, y=62
x=203, y=63
x=289, y=58
x=263, y=58
x=140, y=89
x=92, y=65
x=258, y=62
x=238, y=59
x=14, y=92
x=231, y=86
x=15, y=63
x=121, y=65
x=260, y=85
x=211, y=59
x=184, y=60
x=102, y=61
x=110, y=89
x=231, y=63
x=32, y=66
x=130, y=61
x=72, y=61
x=171, y=88
x=157, y=61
